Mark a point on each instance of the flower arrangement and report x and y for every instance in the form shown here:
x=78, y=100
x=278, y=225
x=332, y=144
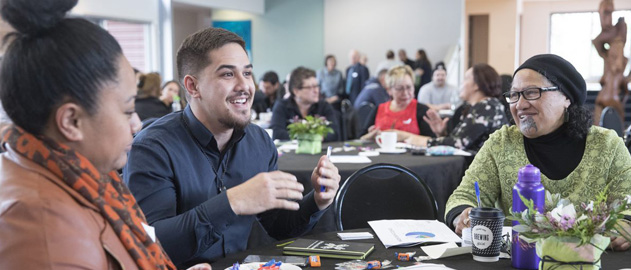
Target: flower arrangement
x=316, y=125
x=570, y=235
x=561, y=218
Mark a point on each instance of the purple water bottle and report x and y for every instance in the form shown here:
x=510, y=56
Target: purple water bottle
x=524, y=255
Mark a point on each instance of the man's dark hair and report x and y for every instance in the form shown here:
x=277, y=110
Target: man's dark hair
x=193, y=56
x=326, y=59
x=52, y=59
x=297, y=76
x=270, y=77
x=488, y=80
x=389, y=54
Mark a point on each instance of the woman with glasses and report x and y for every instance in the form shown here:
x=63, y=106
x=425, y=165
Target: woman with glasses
x=482, y=115
x=403, y=114
x=553, y=131
x=304, y=100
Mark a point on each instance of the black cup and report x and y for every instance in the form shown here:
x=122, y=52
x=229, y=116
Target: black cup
x=486, y=233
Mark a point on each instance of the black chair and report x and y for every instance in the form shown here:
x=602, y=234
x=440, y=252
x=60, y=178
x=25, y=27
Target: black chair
x=347, y=124
x=610, y=119
x=382, y=191
x=364, y=111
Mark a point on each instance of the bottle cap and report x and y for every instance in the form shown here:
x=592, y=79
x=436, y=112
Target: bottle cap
x=529, y=174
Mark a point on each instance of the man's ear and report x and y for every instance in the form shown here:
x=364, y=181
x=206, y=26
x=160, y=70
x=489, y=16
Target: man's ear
x=190, y=84
x=69, y=121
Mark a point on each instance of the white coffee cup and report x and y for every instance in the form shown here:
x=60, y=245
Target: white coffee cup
x=387, y=140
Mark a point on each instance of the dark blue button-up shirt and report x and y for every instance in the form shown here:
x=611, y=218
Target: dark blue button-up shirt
x=176, y=173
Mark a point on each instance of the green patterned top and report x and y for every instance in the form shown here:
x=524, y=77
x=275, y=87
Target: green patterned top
x=606, y=160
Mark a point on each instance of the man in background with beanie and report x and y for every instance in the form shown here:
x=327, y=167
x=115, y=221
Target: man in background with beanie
x=553, y=131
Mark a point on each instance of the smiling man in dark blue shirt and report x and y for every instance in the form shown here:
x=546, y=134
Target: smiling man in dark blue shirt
x=203, y=175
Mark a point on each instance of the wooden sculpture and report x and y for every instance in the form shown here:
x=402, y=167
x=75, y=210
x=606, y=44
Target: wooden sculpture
x=610, y=45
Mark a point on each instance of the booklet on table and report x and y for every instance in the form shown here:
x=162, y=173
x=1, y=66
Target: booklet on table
x=409, y=232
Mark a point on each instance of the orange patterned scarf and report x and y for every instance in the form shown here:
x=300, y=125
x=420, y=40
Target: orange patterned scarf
x=106, y=192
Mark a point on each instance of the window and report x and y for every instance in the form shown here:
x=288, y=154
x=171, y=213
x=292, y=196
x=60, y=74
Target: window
x=571, y=36
x=134, y=40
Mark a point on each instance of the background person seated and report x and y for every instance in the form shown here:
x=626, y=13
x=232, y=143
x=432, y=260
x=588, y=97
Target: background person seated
x=374, y=92
x=402, y=114
x=171, y=89
x=270, y=91
x=483, y=114
x=552, y=131
x=438, y=94
x=304, y=100
x=148, y=103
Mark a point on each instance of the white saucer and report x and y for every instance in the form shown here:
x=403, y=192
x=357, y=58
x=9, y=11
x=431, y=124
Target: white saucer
x=255, y=265
x=395, y=151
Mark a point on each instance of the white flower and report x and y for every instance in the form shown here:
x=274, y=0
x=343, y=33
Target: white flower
x=628, y=198
x=590, y=206
x=563, y=212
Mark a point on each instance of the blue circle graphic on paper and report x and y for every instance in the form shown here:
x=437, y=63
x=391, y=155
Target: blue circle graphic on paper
x=420, y=235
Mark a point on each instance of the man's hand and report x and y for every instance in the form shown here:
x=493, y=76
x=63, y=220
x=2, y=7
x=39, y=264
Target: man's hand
x=325, y=175
x=462, y=221
x=437, y=124
x=200, y=266
x=265, y=191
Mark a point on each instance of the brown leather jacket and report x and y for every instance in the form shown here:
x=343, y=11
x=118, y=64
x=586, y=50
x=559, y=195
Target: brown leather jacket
x=44, y=224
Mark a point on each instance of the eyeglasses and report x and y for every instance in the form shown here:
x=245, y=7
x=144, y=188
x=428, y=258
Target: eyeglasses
x=402, y=88
x=309, y=87
x=531, y=93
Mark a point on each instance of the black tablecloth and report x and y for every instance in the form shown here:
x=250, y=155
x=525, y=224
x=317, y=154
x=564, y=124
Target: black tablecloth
x=610, y=259
x=442, y=173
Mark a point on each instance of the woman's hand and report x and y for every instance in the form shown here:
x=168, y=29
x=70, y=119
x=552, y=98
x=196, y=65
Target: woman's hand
x=417, y=140
x=462, y=221
x=437, y=124
x=619, y=243
x=370, y=135
x=401, y=135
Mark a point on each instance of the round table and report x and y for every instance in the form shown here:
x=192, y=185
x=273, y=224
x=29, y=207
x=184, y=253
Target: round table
x=442, y=173
x=610, y=259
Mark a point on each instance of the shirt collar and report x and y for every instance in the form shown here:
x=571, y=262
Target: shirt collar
x=203, y=135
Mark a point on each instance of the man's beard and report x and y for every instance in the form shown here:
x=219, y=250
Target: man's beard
x=235, y=122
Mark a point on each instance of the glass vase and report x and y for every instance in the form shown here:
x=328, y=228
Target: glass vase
x=309, y=144
x=562, y=253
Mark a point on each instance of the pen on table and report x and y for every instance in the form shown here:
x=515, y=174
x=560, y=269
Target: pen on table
x=477, y=193
x=328, y=158
x=284, y=244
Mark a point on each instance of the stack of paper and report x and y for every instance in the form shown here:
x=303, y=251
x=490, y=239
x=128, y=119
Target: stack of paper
x=408, y=232
x=355, y=236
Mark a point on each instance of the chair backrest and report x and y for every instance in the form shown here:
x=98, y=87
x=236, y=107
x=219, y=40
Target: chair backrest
x=363, y=112
x=382, y=191
x=347, y=124
x=610, y=119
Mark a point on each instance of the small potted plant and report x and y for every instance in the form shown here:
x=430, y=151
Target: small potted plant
x=570, y=237
x=309, y=132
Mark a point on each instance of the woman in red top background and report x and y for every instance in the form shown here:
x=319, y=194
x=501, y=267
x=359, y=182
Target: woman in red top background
x=403, y=113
